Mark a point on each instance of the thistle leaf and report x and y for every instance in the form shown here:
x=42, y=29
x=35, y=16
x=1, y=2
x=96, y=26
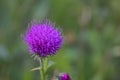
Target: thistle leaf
x=51, y=63
x=34, y=69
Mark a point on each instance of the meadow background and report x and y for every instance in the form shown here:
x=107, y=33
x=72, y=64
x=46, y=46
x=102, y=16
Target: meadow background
x=91, y=28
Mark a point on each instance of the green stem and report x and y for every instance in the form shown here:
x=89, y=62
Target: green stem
x=43, y=65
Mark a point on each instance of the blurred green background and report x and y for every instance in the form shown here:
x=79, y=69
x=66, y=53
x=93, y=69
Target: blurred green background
x=91, y=28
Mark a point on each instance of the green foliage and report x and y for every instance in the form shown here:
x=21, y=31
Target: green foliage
x=91, y=28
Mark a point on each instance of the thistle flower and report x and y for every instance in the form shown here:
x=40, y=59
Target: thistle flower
x=43, y=38
x=64, y=76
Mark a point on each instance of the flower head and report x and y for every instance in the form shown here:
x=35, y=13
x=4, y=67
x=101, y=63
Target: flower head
x=43, y=38
x=64, y=76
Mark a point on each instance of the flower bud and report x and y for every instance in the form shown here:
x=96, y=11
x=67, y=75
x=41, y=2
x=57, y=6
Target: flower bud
x=64, y=76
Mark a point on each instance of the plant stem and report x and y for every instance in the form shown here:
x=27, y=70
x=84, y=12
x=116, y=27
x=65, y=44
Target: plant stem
x=43, y=65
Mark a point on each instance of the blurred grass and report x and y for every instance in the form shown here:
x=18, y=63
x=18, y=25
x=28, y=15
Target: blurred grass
x=91, y=50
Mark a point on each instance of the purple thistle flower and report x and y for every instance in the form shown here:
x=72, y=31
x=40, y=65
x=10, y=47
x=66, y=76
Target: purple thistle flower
x=64, y=76
x=43, y=38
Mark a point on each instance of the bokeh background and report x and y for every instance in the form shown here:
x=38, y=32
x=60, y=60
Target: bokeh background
x=91, y=28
